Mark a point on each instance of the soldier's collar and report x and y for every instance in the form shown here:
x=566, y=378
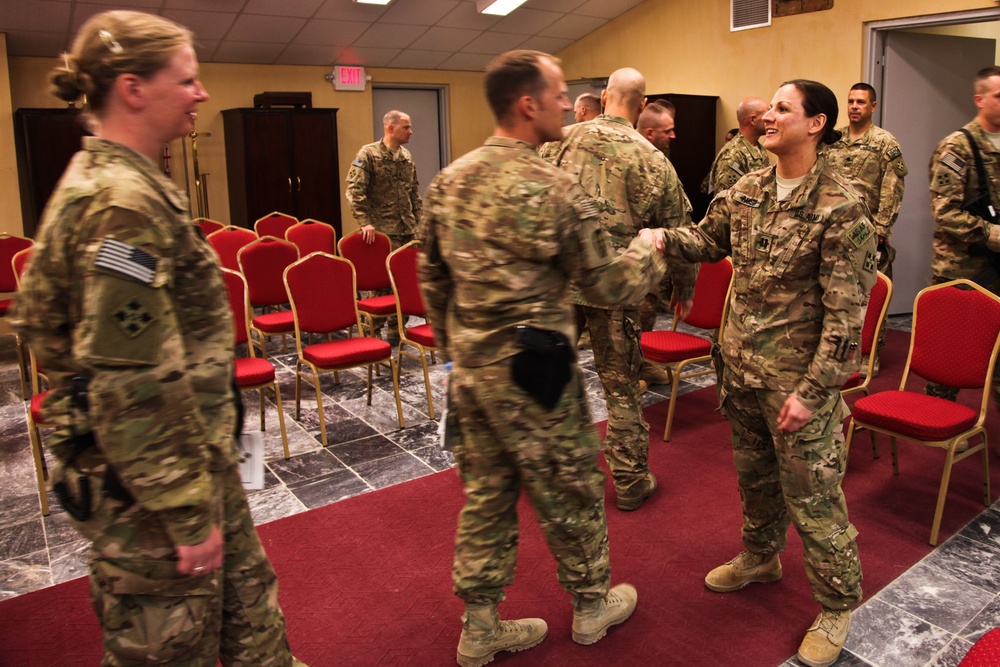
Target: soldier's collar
x=141, y=164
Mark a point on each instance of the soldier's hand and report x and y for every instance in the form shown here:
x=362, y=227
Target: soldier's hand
x=793, y=415
x=200, y=559
x=368, y=234
x=681, y=308
x=654, y=237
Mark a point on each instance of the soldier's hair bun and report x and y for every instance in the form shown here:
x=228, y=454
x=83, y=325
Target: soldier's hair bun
x=832, y=136
x=68, y=83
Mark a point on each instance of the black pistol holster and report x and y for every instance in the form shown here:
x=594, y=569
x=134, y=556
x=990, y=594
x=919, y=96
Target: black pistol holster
x=543, y=367
x=81, y=508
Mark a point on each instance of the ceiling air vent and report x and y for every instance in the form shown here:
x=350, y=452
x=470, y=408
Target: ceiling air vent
x=744, y=14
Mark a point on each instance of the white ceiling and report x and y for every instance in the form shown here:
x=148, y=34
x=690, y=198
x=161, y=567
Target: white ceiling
x=410, y=34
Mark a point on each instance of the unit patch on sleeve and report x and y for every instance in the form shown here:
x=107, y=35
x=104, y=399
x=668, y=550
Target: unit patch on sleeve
x=132, y=317
x=860, y=232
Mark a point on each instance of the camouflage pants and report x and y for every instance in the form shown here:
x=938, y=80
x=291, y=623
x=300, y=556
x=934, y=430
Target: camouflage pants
x=506, y=441
x=614, y=336
x=151, y=615
x=659, y=298
x=392, y=330
x=795, y=478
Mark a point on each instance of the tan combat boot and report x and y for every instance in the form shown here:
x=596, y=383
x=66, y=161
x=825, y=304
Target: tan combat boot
x=825, y=639
x=637, y=494
x=655, y=374
x=484, y=635
x=747, y=568
x=592, y=618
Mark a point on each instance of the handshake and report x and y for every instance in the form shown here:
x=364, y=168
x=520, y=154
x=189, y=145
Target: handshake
x=655, y=236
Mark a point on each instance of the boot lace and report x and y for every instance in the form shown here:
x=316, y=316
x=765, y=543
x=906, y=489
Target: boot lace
x=829, y=623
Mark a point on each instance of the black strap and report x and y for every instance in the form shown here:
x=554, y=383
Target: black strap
x=984, y=188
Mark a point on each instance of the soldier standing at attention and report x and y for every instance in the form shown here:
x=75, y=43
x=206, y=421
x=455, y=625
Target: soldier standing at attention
x=965, y=244
x=504, y=233
x=587, y=107
x=741, y=154
x=634, y=186
x=383, y=192
x=124, y=304
x=871, y=160
x=803, y=254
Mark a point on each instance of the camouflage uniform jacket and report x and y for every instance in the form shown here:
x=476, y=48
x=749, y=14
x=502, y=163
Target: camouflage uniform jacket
x=803, y=269
x=736, y=159
x=954, y=180
x=121, y=288
x=504, y=233
x=382, y=189
x=633, y=183
x=874, y=165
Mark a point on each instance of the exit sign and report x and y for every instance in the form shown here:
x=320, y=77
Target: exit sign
x=349, y=77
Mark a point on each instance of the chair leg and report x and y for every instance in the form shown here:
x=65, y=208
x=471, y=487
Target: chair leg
x=395, y=387
x=281, y=418
x=298, y=389
x=370, y=370
x=36, y=454
x=986, y=470
x=895, y=455
x=22, y=367
x=427, y=379
x=949, y=461
x=875, y=453
x=319, y=409
x=675, y=380
x=850, y=439
x=260, y=393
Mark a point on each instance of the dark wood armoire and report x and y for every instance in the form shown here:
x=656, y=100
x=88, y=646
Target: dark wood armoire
x=44, y=140
x=282, y=160
x=693, y=151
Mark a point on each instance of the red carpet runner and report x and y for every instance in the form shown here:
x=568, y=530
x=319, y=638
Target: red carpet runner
x=367, y=582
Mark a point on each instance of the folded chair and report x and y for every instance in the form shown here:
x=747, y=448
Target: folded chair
x=263, y=262
x=369, y=261
x=878, y=307
x=228, y=242
x=312, y=236
x=674, y=350
x=954, y=342
x=402, y=266
x=207, y=225
x=274, y=224
x=252, y=373
x=323, y=295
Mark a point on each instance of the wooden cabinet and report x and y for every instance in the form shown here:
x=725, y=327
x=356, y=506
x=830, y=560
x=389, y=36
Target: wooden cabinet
x=693, y=151
x=45, y=140
x=282, y=160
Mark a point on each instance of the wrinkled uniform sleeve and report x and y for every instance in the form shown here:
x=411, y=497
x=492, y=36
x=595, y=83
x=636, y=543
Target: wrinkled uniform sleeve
x=891, y=194
x=675, y=213
x=846, y=276
x=708, y=241
x=358, y=177
x=951, y=167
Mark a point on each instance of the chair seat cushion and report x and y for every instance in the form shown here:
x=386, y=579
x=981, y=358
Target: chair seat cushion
x=914, y=415
x=378, y=305
x=347, y=352
x=668, y=347
x=253, y=371
x=5, y=305
x=422, y=334
x=852, y=382
x=280, y=322
x=37, y=407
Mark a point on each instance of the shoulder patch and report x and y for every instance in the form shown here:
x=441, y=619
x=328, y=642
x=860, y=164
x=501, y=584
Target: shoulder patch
x=126, y=260
x=860, y=232
x=358, y=162
x=747, y=200
x=585, y=208
x=894, y=153
x=736, y=167
x=953, y=162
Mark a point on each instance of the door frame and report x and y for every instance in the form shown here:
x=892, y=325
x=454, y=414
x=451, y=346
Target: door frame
x=444, y=133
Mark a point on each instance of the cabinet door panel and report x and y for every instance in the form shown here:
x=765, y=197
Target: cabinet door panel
x=314, y=136
x=270, y=185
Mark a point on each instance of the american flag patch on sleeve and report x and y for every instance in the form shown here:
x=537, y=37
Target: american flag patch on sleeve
x=126, y=260
x=953, y=162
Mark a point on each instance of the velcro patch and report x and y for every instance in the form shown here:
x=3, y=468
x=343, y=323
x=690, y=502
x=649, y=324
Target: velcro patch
x=747, y=200
x=358, y=162
x=126, y=260
x=871, y=262
x=735, y=166
x=585, y=208
x=132, y=317
x=953, y=162
x=894, y=153
x=763, y=243
x=860, y=232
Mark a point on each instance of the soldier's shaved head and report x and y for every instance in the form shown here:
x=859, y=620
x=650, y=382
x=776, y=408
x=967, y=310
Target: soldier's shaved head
x=625, y=94
x=750, y=106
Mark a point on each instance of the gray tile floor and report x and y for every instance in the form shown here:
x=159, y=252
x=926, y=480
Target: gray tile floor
x=930, y=616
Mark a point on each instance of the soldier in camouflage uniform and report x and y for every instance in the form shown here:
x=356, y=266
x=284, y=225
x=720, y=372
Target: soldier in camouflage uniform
x=634, y=186
x=122, y=292
x=504, y=233
x=871, y=161
x=743, y=153
x=803, y=252
x=383, y=192
x=964, y=244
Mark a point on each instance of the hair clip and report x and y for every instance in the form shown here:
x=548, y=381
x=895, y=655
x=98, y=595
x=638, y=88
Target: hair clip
x=109, y=41
x=66, y=61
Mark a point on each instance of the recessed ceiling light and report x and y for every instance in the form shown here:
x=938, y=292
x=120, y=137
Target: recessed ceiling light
x=498, y=7
x=373, y=2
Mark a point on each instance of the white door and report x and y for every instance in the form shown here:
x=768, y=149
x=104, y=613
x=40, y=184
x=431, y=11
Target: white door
x=425, y=107
x=926, y=95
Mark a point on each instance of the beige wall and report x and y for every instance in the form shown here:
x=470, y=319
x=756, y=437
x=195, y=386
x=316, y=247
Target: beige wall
x=681, y=46
x=232, y=86
x=686, y=47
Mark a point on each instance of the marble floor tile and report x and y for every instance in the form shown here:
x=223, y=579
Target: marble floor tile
x=435, y=457
x=985, y=527
x=934, y=595
x=274, y=503
x=890, y=637
x=952, y=654
x=25, y=573
x=385, y=472
x=306, y=467
x=986, y=620
x=975, y=562
x=69, y=561
x=352, y=454
x=319, y=491
x=21, y=538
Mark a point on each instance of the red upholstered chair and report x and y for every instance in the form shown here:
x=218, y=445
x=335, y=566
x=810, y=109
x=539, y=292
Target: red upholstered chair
x=36, y=420
x=252, y=373
x=9, y=246
x=274, y=223
x=207, y=225
x=18, y=264
x=312, y=236
x=878, y=307
x=369, y=261
x=985, y=652
x=228, y=242
x=263, y=263
x=323, y=295
x=402, y=266
x=673, y=350
x=956, y=333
